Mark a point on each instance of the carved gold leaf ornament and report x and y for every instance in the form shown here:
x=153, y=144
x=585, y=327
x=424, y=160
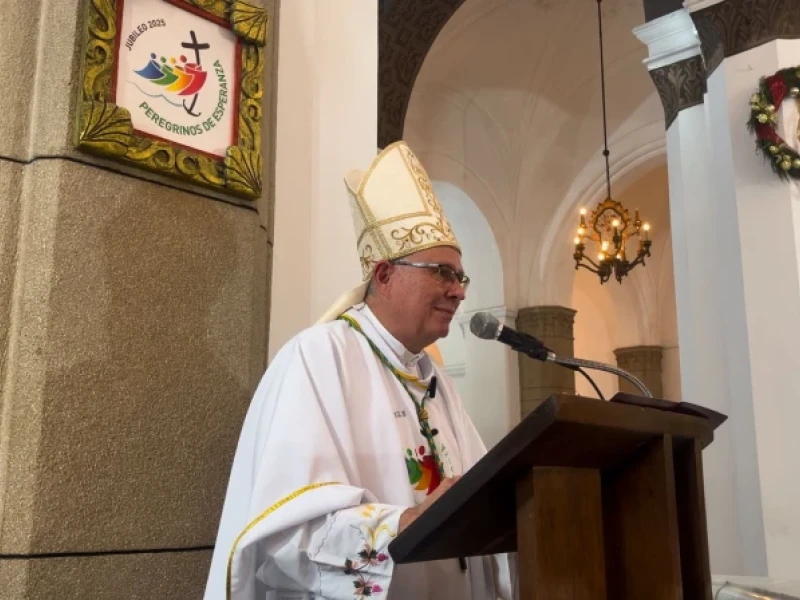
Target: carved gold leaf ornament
x=105, y=128
x=218, y=8
x=249, y=22
x=243, y=170
x=250, y=97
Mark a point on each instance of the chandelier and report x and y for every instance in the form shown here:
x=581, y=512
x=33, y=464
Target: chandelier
x=609, y=226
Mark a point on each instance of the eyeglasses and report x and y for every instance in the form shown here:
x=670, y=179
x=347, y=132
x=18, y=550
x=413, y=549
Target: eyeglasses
x=445, y=273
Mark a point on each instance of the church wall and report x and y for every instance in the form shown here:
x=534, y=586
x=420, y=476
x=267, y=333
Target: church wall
x=133, y=330
x=327, y=124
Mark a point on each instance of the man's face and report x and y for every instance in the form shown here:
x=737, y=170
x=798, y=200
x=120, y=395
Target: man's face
x=425, y=299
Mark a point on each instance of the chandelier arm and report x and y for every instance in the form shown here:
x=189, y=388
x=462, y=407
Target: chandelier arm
x=638, y=261
x=588, y=268
x=591, y=262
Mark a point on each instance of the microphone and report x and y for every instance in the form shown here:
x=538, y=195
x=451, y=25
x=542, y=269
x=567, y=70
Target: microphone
x=487, y=327
x=432, y=388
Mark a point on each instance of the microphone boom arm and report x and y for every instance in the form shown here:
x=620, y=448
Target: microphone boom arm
x=590, y=364
x=486, y=326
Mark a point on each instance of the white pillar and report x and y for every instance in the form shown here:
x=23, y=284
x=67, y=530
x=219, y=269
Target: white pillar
x=736, y=537
x=758, y=221
x=491, y=386
x=327, y=125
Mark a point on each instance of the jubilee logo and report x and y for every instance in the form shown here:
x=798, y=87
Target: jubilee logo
x=175, y=76
x=185, y=79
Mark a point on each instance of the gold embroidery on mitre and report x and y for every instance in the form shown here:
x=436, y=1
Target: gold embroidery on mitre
x=382, y=235
x=426, y=191
x=367, y=260
x=418, y=234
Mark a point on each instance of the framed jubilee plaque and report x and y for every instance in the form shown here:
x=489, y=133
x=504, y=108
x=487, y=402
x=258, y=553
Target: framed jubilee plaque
x=175, y=87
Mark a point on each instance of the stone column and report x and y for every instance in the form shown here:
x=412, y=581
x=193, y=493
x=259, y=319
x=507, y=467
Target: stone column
x=757, y=218
x=133, y=331
x=538, y=380
x=678, y=72
x=741, y=318
x=644, y=362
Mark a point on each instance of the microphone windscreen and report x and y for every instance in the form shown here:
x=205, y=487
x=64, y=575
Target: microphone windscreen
x=484, y=325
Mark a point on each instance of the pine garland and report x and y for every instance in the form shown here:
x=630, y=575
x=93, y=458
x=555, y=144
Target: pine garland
x=763, y=121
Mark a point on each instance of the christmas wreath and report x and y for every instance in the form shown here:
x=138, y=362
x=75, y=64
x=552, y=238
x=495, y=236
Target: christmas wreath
x=764, y=106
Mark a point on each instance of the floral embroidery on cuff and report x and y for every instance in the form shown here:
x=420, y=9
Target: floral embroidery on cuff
x=368, y=556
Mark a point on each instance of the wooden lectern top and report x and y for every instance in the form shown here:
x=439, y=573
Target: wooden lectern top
x=477, y=516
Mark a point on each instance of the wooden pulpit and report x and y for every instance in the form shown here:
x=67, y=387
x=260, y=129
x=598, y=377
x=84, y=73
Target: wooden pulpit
x=601, y=500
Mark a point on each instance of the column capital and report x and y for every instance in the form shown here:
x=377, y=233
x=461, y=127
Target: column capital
x=669, y=39
x=645, y=363
x=639, y=357
x=727, y=27
x=547, y=321
x=674, y=61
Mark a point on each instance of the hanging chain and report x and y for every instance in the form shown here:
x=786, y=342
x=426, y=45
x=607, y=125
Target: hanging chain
x=606, y=153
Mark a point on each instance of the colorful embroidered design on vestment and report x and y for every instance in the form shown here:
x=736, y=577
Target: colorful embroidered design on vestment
x=423, y=473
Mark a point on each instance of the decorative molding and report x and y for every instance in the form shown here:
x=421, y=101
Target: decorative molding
x=695, y=5
x=406, y=32
x=680, y=85
x=505, y=315
x=456, y=370
x=669, y=39
x=736, y=26
x=547, y=322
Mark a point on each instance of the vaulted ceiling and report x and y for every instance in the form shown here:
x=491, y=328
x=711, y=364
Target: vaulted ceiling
x=506, y=106
x=407, y=31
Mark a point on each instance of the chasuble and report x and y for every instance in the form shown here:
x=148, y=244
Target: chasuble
x=331, y=452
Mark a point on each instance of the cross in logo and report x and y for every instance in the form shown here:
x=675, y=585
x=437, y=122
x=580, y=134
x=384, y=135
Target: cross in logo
x=196, y=46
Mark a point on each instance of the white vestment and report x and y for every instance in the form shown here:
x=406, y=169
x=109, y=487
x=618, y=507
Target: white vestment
x=330, y=455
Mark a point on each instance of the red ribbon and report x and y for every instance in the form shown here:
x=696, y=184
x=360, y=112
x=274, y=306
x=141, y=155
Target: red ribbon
x=777, y=87
x=766, y=132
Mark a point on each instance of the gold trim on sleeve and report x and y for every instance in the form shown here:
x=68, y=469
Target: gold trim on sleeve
x=261, y=517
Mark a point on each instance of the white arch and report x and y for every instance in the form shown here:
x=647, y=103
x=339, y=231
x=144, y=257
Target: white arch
x=480, y=252
x=485, y=373
x=443, y=168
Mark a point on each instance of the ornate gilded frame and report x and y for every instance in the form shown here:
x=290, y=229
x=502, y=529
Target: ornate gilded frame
x=106, y=130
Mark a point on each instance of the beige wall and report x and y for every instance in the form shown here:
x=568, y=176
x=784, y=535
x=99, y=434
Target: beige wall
x=133, y=329
x=327, y=125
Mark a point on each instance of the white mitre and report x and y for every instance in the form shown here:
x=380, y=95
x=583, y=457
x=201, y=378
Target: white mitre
x=395, y=213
